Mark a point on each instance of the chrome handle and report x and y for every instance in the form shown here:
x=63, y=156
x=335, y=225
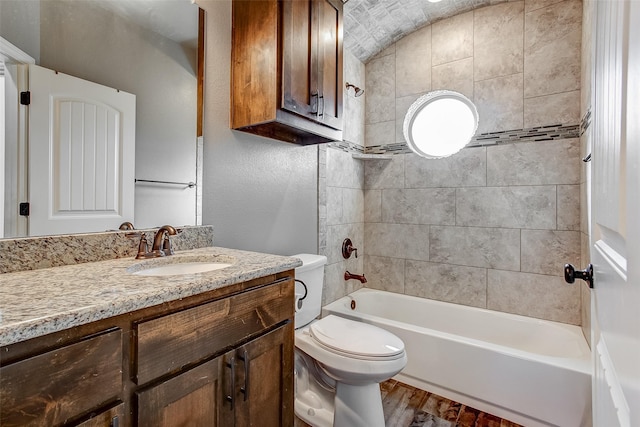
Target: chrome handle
x=115, y=422
x=245, y=360
x=232, y=364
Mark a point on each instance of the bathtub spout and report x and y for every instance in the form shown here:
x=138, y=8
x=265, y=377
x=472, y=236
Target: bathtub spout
x=359, y=277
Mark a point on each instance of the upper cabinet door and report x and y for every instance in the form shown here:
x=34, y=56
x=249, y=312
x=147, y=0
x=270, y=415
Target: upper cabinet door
x=329, y=52
x=312, y=60
x=81, y=154
x=286, y=69
x=300, y=84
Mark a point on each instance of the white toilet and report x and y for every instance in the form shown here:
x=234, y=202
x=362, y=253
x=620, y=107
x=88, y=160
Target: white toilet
x=339, y=363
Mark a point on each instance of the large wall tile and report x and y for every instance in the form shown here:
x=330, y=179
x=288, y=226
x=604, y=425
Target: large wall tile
x=507, y=207
x=419, y=206
x=336, y=235
x=531, y=5
x=352, y=205
x=559, y=108
x=534, y=163
x=380, y=101
x=334, y=205
x=499, y=102
x=402, y=106
x=467, y=168
x=413, y=63
x=384, y=173
x=354, y=73
x=552, y=42
x=547, y=251
x=497, y=43
x=343, y=170
x=475, y=247
x=457, y=76
x=381, y=133
x=452, y=39
x=372, y=205
x=445, y=282
x=568, y=207
x=386, y=274
x=397, y=240
x=535, y=295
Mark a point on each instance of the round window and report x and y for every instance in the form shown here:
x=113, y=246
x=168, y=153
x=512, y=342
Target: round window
x=440, y=124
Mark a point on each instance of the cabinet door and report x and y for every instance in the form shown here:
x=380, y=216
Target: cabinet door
x=300, y=60
x=264, y=380
x=189, y=399
x=113, y=417
x=329, y=51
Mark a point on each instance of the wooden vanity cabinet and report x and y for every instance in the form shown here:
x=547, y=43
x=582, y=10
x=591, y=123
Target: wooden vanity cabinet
x=221, y=358
x=286, y=69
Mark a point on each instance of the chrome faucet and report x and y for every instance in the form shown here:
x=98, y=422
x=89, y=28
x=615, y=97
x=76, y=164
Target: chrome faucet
x=359, y=277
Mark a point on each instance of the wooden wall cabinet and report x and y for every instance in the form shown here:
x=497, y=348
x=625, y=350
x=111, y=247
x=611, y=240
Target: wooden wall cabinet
x=208, y=360
x=286, y=69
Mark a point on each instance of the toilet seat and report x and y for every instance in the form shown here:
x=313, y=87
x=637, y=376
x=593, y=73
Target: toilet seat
x=355, y=339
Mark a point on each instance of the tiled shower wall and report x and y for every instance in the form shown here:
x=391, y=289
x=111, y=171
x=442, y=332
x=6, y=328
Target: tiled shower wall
x=340, y=191
x=490, y=226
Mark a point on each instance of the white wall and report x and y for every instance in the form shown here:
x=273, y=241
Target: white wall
x=2, y=154
x=259, y=194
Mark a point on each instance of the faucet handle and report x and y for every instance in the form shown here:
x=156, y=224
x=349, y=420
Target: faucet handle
x=143, y=247
x=166, y=245
x=347, y=248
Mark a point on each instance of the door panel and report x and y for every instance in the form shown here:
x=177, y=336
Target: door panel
x=615, y=211
x=330, y=62
x=81, y=154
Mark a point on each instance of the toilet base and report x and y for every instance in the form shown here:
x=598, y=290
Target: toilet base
x=358, y=406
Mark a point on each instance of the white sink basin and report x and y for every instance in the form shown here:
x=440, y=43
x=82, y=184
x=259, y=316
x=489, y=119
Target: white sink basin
x=176, y=266
x=183, y=268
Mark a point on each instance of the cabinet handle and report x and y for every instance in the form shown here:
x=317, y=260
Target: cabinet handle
x=245, y=360
x=321, y=97
x=115, y=422
x=232, y=364
x=314, y=105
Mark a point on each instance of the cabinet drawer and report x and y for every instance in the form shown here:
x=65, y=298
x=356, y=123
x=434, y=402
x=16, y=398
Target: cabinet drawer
x=168, y=343
x=54, y=387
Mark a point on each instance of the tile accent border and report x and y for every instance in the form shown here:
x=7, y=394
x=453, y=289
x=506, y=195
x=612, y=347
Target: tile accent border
x=538, y=133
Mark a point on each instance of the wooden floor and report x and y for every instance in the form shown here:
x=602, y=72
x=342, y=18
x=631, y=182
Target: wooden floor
x=405, y=406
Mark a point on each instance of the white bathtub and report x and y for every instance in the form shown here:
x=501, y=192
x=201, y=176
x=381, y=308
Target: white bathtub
x=533, y=372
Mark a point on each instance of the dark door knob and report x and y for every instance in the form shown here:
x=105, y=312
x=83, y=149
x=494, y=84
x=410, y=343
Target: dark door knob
x=571, y=274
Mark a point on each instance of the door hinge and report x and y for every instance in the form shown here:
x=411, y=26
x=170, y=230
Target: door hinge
x=24, y=209
x=25, y=98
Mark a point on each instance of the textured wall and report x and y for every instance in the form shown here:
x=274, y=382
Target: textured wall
x=258, y=193
x=490, y=226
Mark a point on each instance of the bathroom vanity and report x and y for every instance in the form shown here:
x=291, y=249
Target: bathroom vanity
x=96, y=345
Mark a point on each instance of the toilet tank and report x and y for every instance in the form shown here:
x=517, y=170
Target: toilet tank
x=311, y=272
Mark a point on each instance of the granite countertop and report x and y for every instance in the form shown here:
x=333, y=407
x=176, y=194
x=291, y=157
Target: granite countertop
x=39, y=302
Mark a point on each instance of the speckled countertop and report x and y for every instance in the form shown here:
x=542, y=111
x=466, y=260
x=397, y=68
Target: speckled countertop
x=40, y=302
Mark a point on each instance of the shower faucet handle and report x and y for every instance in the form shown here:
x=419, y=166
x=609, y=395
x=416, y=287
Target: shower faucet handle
x=347, y=248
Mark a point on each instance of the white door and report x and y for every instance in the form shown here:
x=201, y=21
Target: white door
x=81, y=154
x=615, y=221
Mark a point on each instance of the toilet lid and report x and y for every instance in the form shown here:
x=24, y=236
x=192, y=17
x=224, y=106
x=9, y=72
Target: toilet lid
x=357, y=338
